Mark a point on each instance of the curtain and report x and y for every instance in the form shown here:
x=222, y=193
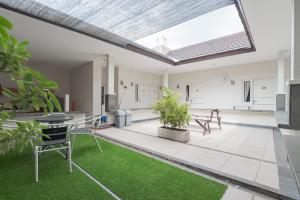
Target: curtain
x=246, y=91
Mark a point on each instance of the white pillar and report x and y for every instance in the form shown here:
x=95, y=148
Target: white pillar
x=295, y=47
x=97, y=83
x=110, y=75
x=165, y=79
x=280, y=73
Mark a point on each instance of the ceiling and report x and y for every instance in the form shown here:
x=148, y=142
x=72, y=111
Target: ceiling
x=269, y=22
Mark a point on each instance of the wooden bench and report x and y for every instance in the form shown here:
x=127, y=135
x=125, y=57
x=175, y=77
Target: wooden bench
x=204, y=123
x=204, y=120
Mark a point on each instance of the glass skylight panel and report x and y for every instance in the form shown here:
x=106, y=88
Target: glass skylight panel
x=131, y=19
x=216, y=24
x=141, y=25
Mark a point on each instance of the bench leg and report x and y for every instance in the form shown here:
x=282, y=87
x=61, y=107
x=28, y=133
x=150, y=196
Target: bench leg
x=205, y=128
x=219, y=123
x=202, y=125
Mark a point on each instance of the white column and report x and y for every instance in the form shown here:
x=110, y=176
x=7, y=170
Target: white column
x=280, y=73
x=295, y=47
x=110, y=75
x=97, y=83
x=165, y=79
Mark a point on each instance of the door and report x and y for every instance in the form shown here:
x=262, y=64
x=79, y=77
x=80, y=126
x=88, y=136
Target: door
x=264, y=94
x=152, y=94
x=196, y=97
x=143, y=95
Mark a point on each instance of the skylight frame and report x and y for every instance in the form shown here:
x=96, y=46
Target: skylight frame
x=131, y=46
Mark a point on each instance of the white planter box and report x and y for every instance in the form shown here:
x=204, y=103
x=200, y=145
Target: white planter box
x=174, y=134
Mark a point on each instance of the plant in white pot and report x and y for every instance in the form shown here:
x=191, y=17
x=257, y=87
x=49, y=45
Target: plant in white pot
x=174, y=116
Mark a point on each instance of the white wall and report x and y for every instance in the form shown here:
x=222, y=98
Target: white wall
x=148, y=85
x=211, y=91
x=82, y=88
x=86, y=82
x=97, y=83
x=61, y=75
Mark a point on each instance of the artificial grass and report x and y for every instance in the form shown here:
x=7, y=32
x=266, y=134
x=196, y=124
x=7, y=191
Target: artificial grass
x=134, y=176
x=55, y=183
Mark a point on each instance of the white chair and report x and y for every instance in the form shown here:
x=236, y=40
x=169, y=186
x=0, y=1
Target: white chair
x=86, y=126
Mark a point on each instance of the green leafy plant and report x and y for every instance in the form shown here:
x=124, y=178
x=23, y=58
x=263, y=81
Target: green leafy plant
x=33, y=91
x=173, y=114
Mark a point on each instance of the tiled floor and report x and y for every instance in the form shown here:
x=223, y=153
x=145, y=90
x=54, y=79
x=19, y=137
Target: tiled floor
x=143, y=114
x=243, y=116
x=236, y=193
x=249, y=142
x=243, y=153
x=230, y=116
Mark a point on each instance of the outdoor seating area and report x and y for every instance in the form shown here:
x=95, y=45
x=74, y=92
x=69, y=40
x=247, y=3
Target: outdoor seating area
x=58, y=134
x=149, y=100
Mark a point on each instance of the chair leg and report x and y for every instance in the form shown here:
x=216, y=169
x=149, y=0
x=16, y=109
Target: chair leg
x=97, y=142
x=73, y=140
x=36, y=163
x=70, y=156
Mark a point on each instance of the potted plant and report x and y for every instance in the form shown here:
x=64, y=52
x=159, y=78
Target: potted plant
x=174, y=116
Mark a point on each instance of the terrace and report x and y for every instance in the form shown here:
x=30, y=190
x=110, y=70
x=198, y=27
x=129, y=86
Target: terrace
x=238, y=57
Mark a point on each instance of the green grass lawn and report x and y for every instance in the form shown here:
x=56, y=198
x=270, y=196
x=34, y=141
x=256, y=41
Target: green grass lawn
x=134, y=176
x=128, y=174
x=56, y=183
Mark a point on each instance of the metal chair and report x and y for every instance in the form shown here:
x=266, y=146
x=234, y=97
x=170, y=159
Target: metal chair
x=86, y=126
x=55, y=138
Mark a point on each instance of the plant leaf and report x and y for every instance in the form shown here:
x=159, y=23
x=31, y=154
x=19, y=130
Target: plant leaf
x=4, y=33
x=55, y=101
x=5, y=22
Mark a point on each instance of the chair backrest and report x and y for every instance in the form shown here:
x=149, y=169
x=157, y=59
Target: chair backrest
x=55, y=134
x=97, y=123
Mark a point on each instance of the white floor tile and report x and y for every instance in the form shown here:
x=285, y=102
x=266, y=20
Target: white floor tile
x=233, y=193
x=268, y=175
x=212, y=159
x=241, y=167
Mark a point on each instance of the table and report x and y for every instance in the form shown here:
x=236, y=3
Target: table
x=54, y=119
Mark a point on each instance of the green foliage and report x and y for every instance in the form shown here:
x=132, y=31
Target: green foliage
x=33, y=90
x=172, y=113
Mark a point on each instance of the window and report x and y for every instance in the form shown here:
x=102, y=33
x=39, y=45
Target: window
x=187, y=93
x=136, y=92
x=102, y=95
x=247, y=91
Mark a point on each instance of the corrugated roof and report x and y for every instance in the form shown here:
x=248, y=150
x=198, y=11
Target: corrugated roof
x=211, y=47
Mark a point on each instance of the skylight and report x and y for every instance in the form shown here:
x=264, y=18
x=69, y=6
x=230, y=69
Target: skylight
x=219, y=23
x=136, y=25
